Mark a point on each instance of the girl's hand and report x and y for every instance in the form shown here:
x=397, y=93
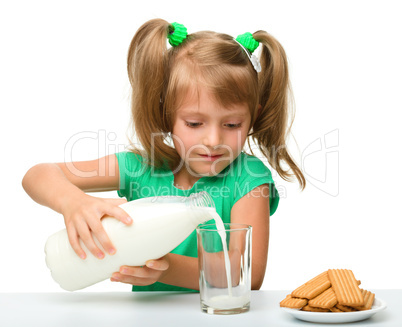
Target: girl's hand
x=83, y=215
x=142, y=276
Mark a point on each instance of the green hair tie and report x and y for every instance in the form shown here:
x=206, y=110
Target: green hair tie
x=247, y=41
x=249, y=44
x=177, y=34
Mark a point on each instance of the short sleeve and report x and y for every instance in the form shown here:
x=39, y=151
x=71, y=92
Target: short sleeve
x=130, y=170
x=253, y=173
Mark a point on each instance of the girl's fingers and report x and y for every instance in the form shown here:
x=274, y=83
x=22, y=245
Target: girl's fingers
x=159, y=264
x=141, y=272
x=75, y=244
x=86, y=237
x=88, y=222
x=104, y=240
x=132, y=280
x=119, y=214
x=136, y=275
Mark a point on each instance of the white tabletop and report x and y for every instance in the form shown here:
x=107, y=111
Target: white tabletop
x=119, y=309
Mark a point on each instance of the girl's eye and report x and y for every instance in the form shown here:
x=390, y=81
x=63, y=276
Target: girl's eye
x=191, y=124
x=233, y=125
x=194, y=125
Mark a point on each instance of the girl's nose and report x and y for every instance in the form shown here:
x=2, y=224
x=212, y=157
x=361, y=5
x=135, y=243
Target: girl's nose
x=212, y=137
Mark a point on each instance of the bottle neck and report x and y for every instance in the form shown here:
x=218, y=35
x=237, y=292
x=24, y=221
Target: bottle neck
x=202, y=207
x=201, y=199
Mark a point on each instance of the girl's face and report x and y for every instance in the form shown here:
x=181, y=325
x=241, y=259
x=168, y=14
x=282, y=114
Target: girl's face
x=207, y=136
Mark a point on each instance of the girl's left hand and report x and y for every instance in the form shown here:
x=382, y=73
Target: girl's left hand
x=141, y=276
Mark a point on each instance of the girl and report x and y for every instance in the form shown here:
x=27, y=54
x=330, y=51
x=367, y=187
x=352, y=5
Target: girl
x=194, y=106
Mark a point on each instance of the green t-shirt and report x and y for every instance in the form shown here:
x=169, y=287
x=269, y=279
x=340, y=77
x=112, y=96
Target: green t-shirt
x=138, y=180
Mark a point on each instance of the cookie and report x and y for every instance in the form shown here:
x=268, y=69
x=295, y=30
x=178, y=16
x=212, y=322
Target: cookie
x=293, y=303
x=325, y=300
x=368, y=298
x=313, y=309
x=345, y=308
x=313, y=287
x=345, y=287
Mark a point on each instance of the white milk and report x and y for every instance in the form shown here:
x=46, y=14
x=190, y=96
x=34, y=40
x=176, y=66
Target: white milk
x=229, y=301
x=222, y=233
x=222, y=302
x=159, y=225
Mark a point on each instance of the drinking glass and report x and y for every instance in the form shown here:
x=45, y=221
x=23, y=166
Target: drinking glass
x=224, y=258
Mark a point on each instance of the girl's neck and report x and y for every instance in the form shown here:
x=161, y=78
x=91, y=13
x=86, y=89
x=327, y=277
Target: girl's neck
x=185, y=181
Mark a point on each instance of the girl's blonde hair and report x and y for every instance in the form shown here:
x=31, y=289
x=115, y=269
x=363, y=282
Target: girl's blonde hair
x=162, y=77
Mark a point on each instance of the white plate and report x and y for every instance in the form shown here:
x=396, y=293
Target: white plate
x=337, y=317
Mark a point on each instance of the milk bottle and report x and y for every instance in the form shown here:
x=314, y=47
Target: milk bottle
x=159, y=225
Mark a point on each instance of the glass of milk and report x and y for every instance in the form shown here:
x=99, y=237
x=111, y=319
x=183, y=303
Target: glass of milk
x=224, y=260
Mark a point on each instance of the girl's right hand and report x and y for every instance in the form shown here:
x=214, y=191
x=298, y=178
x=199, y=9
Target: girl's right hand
x=83, y=215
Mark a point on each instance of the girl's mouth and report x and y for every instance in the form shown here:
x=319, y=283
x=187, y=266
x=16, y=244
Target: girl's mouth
x=210, y=158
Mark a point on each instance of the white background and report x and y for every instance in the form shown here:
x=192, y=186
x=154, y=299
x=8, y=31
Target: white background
x=63, y=75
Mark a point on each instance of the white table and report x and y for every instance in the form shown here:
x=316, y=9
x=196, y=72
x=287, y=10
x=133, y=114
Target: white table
x=119, y=309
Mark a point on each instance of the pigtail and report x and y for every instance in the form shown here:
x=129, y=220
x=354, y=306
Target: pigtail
x=272, y=126
x=146, y=65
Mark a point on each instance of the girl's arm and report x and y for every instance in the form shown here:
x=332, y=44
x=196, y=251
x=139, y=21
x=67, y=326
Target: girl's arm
x=182, y=271
x=62, y=187
x=172, y=269
x=258, y=218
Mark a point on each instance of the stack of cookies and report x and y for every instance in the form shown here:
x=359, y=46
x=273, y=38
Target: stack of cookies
x=335, y=290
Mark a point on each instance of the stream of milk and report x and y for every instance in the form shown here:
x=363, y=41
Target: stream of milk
x=229, y=301
x=222, y=233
